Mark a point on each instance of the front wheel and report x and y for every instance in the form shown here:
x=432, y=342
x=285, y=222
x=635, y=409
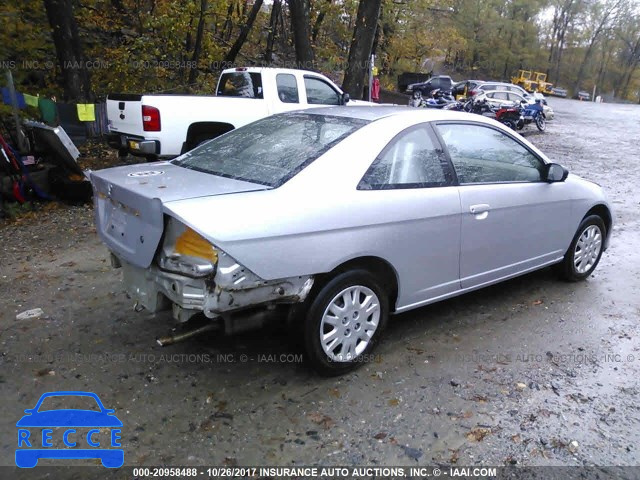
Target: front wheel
x=344, y=322
x=541, y=123
x=585, y=250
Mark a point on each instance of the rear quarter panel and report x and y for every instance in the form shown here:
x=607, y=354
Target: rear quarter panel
x=319, y=220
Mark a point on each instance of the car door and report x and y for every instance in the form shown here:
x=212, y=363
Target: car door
x=497, y=99
x=413, y=183
x=516, y=98
x=512, y=220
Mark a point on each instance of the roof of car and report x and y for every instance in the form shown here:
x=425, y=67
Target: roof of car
x=506, y=84
x=373, y=113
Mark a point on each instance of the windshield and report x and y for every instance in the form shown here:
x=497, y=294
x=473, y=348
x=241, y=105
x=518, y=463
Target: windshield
x=272, y=150
x=65, y=402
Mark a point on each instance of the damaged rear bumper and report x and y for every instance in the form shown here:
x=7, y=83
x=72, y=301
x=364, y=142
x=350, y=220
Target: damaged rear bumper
x=230, y=289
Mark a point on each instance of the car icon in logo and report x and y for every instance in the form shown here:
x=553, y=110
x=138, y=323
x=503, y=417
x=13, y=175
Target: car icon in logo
x=69, y=433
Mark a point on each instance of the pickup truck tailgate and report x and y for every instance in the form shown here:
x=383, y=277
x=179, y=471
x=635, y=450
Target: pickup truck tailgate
x=124, y=113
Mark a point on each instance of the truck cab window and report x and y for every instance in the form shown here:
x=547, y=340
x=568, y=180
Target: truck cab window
x=287, y=88
x=240, y=84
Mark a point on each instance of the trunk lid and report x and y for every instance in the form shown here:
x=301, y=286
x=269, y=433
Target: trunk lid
x=124, y=113
x=129, y=203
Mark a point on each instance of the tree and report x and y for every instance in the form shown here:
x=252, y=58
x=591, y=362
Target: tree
x=300, y=11
x=564, y=15
x=244, y=32
x=195, y=58
x=276, y=12
x=361, y=45
x=318, y=22
x=64, y=30
x=601, y=15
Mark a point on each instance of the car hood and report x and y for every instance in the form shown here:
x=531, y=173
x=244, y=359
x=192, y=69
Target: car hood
x=69, y=418
x=130, y=203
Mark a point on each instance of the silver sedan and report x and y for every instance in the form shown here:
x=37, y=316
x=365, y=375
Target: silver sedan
x=332, y=219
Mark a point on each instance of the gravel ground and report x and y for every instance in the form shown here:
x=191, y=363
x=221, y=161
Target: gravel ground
x=530, y=372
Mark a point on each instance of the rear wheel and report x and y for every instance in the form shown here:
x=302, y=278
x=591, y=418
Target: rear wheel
x=541, y=123
x=585, y=250
x=344, y=322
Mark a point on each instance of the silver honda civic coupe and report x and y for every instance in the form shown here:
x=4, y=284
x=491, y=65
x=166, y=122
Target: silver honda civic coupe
x=330, y=220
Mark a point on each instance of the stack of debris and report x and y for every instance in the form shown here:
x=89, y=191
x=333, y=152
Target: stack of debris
x=46, y=169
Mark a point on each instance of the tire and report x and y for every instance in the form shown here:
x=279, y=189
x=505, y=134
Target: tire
x=348, y=349
x=541, y=123
x=588, y=242
x=510, y=123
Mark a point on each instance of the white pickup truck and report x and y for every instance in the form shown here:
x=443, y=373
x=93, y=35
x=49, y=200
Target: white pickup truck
x=164, y=126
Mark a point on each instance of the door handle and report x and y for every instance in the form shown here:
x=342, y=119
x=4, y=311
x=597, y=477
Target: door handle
x=481, y=210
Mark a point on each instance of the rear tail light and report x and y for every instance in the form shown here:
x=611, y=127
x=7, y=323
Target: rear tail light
x=150, y=119
x=194, y=245
x=473, y=92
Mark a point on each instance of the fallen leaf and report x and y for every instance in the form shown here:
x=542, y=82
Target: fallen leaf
x=477, y=434
x=394, y=402
x=516, y=438
x=380, y=435
x=538, y=302
x=320, y=419
x=334, y=392
x=454, y=456
x=521, y=386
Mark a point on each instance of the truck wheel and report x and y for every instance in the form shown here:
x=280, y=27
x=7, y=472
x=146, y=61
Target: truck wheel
x=344, y=322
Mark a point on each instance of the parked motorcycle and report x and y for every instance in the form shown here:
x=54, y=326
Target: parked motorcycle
x=534, y=113
x=510, y=115
x=417, y=100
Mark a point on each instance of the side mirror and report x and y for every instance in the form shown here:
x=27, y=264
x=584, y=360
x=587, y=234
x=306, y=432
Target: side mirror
x=344, y=99
x=556, y=173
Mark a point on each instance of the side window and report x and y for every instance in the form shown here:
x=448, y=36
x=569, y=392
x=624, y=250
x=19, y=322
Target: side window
x=500, y=96
x=486, y=155
x=410, y=160
x=514, y=97
x=240, y=84
x=320, y=92
x=287, y=88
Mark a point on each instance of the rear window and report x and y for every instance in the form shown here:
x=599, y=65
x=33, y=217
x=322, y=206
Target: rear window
x=272, y=150
x=240, y=84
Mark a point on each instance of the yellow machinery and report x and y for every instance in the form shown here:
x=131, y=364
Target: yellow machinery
x=525, y=80
x=543, y=85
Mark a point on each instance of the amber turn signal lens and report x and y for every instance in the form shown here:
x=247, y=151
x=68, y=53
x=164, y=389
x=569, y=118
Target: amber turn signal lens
x=194, y=245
